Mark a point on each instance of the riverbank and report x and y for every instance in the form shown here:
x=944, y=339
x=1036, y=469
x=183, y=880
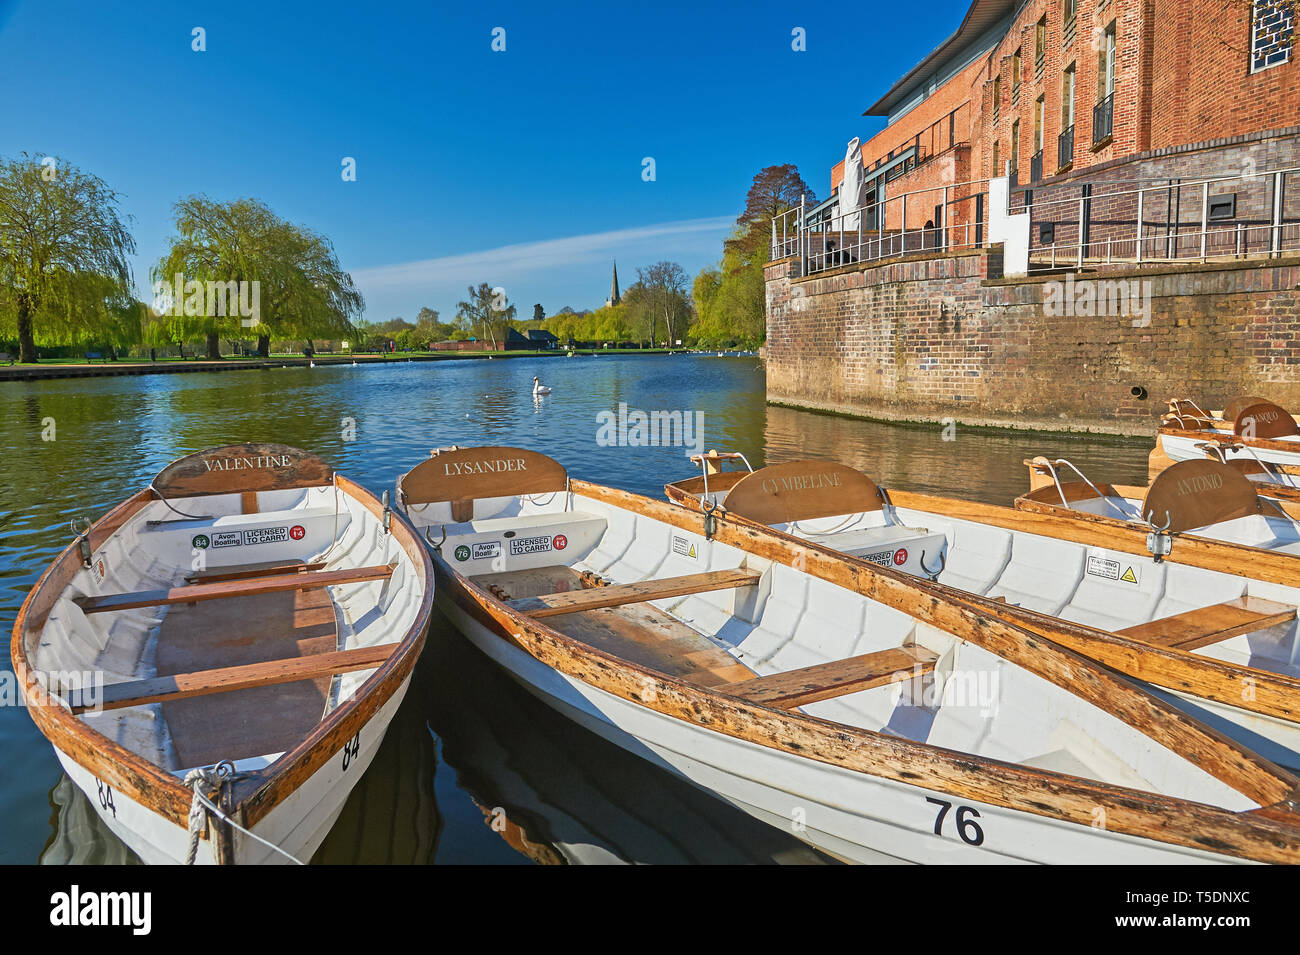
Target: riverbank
x=54, y=369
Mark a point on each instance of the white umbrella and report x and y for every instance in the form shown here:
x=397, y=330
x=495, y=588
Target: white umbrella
x=851, y=186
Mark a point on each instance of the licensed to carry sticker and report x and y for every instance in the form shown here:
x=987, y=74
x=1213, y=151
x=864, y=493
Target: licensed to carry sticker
x=266, y=535
x=884, y=558
x=529, y=545
x=683, y=547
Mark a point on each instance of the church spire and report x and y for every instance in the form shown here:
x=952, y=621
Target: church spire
x=614, y=297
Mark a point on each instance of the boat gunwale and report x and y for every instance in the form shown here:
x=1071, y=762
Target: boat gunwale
x=256, y=793
x=1264, y=444
x=1060, y=796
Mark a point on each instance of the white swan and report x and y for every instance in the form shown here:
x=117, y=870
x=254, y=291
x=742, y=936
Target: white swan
x=539, y=388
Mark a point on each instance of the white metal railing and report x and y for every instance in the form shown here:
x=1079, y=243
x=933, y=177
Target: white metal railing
x=1139, y=220
x=881, y=230
x=1165, y=222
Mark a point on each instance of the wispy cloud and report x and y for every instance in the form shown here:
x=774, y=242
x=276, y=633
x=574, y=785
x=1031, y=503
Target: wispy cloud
x=509, y=262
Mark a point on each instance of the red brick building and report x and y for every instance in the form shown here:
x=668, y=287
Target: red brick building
x=1047, y=91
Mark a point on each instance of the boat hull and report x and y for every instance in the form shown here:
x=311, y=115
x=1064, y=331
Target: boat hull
x=298, y=824
x=851, y=815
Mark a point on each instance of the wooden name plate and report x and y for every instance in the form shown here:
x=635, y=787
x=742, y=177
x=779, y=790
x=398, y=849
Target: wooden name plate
x=246, y=468
x=1235, y=406
x=1199, y=493
x=803, y=490
x=466, y=474
x=1264, y=420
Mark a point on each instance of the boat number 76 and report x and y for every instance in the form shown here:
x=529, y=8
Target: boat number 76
x=967, y=827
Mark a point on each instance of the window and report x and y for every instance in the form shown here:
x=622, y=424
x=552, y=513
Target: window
x=1039, y=106
x=1015, y=76
x=1272, y=33
x=1040, y=45
x=1015, y=148
x=1106, y=63
x=1071, y=22
x=1067, y=97
x=997, y=98
x=997, y=158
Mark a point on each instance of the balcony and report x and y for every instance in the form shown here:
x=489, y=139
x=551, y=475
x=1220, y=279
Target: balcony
x=1065, y=148
x=1036, y=167
x=1103, y=120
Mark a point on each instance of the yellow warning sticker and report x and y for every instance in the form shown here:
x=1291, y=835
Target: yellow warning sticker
x=692, y=552
x=1129, y=577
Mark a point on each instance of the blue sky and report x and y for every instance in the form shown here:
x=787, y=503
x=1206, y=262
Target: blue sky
x=520, y=168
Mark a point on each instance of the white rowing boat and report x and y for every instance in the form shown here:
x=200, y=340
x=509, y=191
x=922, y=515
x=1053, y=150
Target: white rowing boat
x=1211, y=621
x=1248, y=428
x=1206, y=498
x=244, y=629
x=833, y=699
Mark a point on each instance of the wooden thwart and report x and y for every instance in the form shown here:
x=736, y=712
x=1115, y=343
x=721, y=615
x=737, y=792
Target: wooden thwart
x=838, y=678
x=232, y=588
x=251, y=570
x=1213, y=624
x=616, y=595
x=225, y=679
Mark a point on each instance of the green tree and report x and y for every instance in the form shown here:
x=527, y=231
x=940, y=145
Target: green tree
x=301, y=290
x=61, y=240
x=487, y=309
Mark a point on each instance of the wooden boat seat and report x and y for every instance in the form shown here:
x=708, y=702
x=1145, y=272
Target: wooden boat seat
x=194, y=593
x=639, y=633
x=242, y=571
x=1208, y=625
x=838, y=678
x=616, y=595
x=227, y=679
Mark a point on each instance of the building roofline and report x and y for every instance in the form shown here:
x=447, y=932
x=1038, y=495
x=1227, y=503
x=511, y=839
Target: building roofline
x=979, y=18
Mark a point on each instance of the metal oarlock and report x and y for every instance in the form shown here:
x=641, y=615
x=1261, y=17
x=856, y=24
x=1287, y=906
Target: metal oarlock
x=1159, y=541
x=710, y=520
x=437, y=545
x=388, y=512
x=83, y=539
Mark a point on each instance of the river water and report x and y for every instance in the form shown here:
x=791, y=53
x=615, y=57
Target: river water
x=473, y=769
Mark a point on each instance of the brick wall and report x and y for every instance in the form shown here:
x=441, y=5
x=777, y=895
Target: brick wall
x=1182, y=76
x=946, y=336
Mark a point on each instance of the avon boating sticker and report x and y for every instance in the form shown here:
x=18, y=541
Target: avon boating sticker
x=529, y=545
x=1109, y=569
x=488, y=549
x=683, y=547
x=227, y=539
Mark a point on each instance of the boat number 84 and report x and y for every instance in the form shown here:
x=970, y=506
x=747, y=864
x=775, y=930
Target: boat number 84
x=351, y=749
x=967, y=827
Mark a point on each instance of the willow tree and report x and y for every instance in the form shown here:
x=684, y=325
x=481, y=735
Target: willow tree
x=301, y=291
x=61, y=238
